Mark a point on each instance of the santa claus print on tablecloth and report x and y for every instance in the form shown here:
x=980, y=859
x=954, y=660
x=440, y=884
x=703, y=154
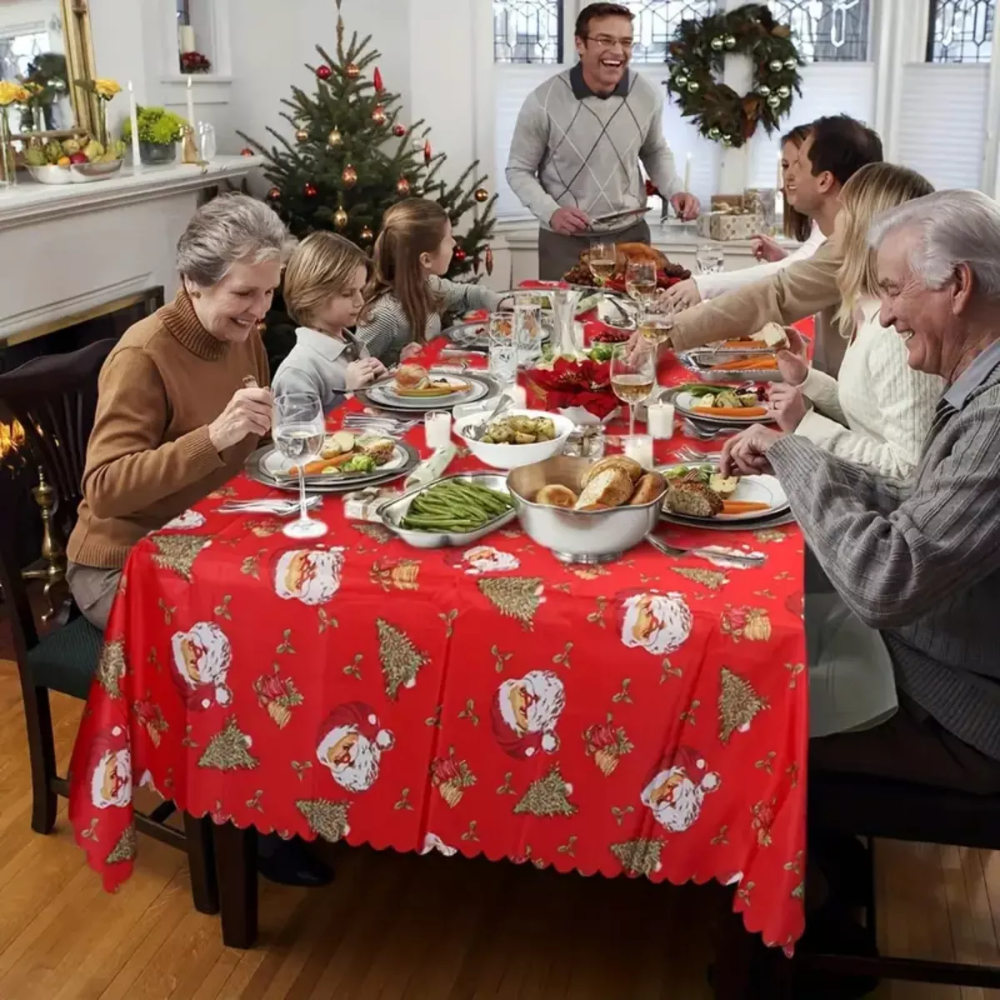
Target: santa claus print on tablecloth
x=525, y=712
x=200, y=664
x=186, y=521
x=658, y=623
x=110, y=770
x=310, y=576
x=483, y=559
x=677, y=790
x=351, y=745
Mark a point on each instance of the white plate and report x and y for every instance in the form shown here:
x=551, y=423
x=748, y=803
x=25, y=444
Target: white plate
x=686, y=403
x=385, y=393
x=277, y=465
x=752, y=489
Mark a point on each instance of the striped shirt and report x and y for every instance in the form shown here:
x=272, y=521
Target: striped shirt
x=920, y=560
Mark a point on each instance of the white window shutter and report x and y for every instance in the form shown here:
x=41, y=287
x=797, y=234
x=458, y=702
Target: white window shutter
x=942, y=122
x=828, y=88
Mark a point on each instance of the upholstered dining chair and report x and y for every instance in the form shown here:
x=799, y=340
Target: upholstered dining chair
x=54, y=399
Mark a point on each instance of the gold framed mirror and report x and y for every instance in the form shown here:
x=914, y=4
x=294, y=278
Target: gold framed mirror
x=49, y=42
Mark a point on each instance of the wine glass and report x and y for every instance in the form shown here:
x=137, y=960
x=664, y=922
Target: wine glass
x=503, y=349
x=603, y=258
x=640, y=281
x=655, y=327
x=299, y=431
x=528, y=333
x=711, y=259
x=633, y=374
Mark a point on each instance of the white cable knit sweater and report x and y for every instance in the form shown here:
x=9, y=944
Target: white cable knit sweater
x=878, y=410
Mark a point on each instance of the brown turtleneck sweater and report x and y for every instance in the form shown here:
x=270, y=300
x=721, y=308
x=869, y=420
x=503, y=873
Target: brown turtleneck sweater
x=149, y=456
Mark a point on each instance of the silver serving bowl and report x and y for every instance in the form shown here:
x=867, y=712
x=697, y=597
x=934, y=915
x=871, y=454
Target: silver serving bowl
x=85, y=172
x=577, y=536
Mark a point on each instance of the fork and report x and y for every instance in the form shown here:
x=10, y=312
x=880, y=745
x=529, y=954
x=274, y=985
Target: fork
x=280, y=508
x=746, y=561
x=688, y=454
x=707, y=433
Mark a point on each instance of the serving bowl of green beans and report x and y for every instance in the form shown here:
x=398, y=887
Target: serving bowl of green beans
x=454, y=510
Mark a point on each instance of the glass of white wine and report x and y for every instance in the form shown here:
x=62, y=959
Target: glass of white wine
x=640, y=282
x=633, y=375
x=603, y=258
x=655, y=327
x=299, y=432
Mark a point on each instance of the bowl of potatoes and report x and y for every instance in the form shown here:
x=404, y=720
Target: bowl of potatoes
x=519, y=437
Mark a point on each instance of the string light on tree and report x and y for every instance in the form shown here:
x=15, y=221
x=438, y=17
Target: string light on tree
x=378, y=114
x=349, y=176
x=403, y=187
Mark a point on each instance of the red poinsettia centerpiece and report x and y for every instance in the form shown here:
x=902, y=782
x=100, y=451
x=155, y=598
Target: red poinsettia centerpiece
x=575, y=382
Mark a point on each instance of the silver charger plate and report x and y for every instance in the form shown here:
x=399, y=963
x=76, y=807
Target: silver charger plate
x=332, y=483
x=689, y=360
x=769, y=521
x=490, y=390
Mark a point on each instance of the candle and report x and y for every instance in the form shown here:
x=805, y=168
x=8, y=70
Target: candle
x=133, y=114
x=639, y=447
x=437, y=430
x=687, y=174
x=186, y=35
x=190, y=103
x=661, y=420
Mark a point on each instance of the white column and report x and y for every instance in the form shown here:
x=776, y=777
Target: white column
x=991, y=166
x=735, y=165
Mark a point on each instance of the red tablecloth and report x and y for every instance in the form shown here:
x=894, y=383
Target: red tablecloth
x=644, y=718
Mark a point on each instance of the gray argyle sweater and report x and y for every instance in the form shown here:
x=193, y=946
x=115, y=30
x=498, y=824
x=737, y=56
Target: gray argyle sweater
x=573, y=148
x=920, y=561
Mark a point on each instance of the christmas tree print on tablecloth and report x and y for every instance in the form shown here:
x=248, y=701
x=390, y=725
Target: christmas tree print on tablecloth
x=739, y=703
x=228, y=750
x=640, y=856
x=401, y=660
x=178, y=552
x=124, y=850
x=547, y=796
x=325, y=818
x=111, y=667
x=514, y=597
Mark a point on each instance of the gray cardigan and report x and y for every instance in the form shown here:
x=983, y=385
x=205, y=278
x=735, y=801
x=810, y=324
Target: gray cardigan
x=317, y=363
x=920, y=561
x=386, y=331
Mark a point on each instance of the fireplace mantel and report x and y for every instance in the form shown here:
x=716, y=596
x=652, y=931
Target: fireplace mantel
x=31, y=202
x=68, y=249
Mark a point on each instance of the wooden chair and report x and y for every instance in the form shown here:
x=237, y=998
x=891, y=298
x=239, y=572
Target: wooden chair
x=54, y=398
x=856, y=805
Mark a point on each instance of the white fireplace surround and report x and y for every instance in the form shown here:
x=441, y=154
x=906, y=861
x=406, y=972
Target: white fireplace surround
x=70, y=248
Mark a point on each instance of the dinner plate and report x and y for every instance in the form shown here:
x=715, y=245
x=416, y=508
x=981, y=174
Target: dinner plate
x=383, y=393
x=752, y=489
x=686, y=403
x=333, y=482
x=701, y=361
x=277, y=466
x=772, y=521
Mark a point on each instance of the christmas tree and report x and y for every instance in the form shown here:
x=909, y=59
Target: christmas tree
x=353, y=159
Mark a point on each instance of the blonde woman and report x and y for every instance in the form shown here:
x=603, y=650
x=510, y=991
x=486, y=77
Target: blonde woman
x=877, y=411
x=408, y=293
x=324, y=285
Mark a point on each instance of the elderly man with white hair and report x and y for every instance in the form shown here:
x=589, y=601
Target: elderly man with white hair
x=917, y=563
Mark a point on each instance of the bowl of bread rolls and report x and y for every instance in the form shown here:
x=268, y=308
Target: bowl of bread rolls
x=586, y=511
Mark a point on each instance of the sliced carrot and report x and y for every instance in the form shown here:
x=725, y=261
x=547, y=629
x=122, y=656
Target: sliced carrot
x=768, y=363
x=741, y=343
x=732, y=411
x=743, y=506
x=320, y=466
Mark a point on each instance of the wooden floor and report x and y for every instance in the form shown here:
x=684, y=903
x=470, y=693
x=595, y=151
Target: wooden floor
x=400, y=926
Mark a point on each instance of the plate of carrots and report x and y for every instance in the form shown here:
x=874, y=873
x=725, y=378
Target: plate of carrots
x=724, y=405
x=701, y=493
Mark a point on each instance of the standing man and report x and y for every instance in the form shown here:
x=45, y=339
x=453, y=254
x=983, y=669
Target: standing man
x=578, y=143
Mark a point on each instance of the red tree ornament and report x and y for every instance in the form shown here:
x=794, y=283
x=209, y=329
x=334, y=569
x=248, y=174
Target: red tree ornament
x=399, y=131
x=489, y=260
x=324, y=72
x=274, y=194
x=349, y=176
x=310, y=190
x=460, y=255
x=428, y=152
x=246, y=151
x=377, y=80
x=402, y=187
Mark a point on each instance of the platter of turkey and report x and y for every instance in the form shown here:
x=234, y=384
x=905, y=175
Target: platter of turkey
x=700, y=493
x=413, y=387
x=667, y=273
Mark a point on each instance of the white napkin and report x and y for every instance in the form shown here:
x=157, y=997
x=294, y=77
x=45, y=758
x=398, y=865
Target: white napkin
x=431, y=468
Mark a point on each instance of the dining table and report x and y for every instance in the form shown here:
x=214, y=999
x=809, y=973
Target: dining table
x=645, y=718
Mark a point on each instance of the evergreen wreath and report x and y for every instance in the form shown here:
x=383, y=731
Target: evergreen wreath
x=698, y=53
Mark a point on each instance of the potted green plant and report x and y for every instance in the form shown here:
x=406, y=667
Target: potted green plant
x=159, y=132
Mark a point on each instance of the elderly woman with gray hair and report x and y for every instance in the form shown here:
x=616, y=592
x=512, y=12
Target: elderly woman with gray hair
x=183, y=396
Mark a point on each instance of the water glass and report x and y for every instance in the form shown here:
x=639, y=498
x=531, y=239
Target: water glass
x=633, y=374
x=299, y=432
x=207, y=144
x=528, y=334
x=502, y=349
x=710, y=258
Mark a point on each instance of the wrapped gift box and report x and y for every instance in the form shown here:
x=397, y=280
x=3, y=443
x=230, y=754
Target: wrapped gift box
x=722, y=226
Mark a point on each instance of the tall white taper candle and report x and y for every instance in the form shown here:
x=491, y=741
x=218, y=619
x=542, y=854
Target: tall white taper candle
x=190, y=109
x=133, y=115
x=687, y=175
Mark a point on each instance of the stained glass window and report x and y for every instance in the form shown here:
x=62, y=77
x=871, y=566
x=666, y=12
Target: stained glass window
x=657, y=20
x=528, y=31
x=827, y=30
x=961, y=31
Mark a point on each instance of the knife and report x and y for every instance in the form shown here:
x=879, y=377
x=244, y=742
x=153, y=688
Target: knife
x=616, y=216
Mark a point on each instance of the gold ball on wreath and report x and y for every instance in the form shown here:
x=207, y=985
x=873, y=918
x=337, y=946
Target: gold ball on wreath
x=790, y=64
x=773, y=101
x=693, y=87
x=340, y=218
x=482, y=195
x=366, y=235
x=353, y=71
x=730, y=42
x=335, y=138
x=784, y=92
x=715, y=133
x=717, y=43
x=764, y=90
x=776, y=65
x=301, y=135
x=681, y=81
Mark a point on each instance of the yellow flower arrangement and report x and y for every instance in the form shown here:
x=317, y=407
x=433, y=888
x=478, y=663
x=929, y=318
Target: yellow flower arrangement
x=106, y=89
x=11, y=92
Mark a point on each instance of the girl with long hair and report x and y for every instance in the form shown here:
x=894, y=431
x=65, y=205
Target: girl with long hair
x=877, y=411
x=407, y=293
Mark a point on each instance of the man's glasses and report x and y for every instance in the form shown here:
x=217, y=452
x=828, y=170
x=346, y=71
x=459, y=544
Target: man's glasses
x=607, y=42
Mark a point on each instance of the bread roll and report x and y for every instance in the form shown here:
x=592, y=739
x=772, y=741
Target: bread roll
x=411, y=376
x=556, y=496
x=629, y=466
x=611, y=487
x=648, y=489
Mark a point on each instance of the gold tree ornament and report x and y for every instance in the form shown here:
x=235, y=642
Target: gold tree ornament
x=482, y=195
x=301, y=135
x=739, y=704
x=367, y=236
x=353, y=71
x=340, y=218
x=229, y=750
x=379, y=115
x=335, y=139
